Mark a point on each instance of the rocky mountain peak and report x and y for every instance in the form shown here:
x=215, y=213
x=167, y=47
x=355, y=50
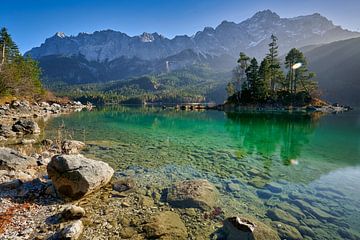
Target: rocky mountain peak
x=60, y=35
x=265, y=15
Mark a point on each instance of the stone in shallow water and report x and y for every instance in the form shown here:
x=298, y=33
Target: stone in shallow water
x=274, y=187
x=313, y=210
x=233, y=187
x=166, y=225
x=123, y=184
x=286, y=231
x=193, y=194
x=306, y=231
x=245, y=228
x=257, y=182
x=263, y=194
x=276, y=214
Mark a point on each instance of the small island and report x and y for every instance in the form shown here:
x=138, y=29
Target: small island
x=272, y=88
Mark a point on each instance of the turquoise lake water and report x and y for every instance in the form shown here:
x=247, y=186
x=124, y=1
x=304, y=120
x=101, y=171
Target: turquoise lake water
x=306, y=166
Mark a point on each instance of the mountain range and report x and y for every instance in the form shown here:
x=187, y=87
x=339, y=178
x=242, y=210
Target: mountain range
x=110, y=55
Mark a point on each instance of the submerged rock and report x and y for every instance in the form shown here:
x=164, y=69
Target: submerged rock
x=13, y=160
x=75, y=176
x=286, y=231
x=166, y=225
x=124, y=185
x=193, y=194
x=244, y=228
x=277, y=214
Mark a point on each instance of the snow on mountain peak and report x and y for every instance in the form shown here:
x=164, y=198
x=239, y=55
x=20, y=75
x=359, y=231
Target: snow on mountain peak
x=60, y=35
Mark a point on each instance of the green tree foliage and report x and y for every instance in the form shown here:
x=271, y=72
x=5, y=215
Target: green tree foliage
x=266, y=84
x=256, y=84
x=239, y=73
x=299, y=79
x=19, y=76
x=275, y=72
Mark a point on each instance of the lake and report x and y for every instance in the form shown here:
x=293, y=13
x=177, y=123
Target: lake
x=296, y=169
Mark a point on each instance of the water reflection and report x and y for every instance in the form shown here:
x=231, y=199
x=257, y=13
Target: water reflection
x=271, y=134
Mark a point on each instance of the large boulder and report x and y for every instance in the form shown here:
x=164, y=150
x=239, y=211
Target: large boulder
x=75, y=176
x=166, y=225
x=246, y=228
x=193, y=194
x=13, y=160
x=72, y=146
x=26, y=126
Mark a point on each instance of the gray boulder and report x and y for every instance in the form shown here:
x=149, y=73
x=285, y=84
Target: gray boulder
x=193, y=194
x=26, y=126
x=75, y=176
x=13, y=160
x=246, y=228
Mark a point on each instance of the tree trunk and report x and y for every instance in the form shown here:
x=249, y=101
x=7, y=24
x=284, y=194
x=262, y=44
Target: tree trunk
x=2, y=57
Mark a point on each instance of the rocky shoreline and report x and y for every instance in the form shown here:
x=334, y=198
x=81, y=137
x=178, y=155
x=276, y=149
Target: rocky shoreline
x=53, y=192
x=49, y=190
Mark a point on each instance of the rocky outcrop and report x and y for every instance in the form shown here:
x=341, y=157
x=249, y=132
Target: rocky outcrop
x=13, y=160
x=72, y=146
x=166, y=225
x=244, y=228
x=26, y=126
x=75, y=176
x=193, y=194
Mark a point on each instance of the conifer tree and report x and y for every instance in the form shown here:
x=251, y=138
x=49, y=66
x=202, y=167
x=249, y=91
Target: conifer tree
x=299, y=79
x=264, y=74
x=9, y=50
x=274, y=63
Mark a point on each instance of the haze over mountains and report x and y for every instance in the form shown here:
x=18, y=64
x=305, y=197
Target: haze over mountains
x=110, y=55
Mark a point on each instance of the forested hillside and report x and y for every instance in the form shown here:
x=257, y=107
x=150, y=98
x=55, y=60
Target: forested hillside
x=337, y=67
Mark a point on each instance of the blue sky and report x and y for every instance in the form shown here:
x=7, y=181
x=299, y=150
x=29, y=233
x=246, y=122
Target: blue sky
x=30, y=22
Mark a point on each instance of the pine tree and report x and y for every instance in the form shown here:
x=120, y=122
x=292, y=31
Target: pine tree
x=264, y=74
x=19, y=76
x=9, y=50
x=240, y=77
x=252, y=74
x=299, y=79
x=274, y=63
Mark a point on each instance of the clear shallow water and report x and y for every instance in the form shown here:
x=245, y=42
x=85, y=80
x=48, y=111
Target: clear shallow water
x=308, y=167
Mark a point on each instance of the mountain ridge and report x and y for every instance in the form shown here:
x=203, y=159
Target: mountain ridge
x=228, y=37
